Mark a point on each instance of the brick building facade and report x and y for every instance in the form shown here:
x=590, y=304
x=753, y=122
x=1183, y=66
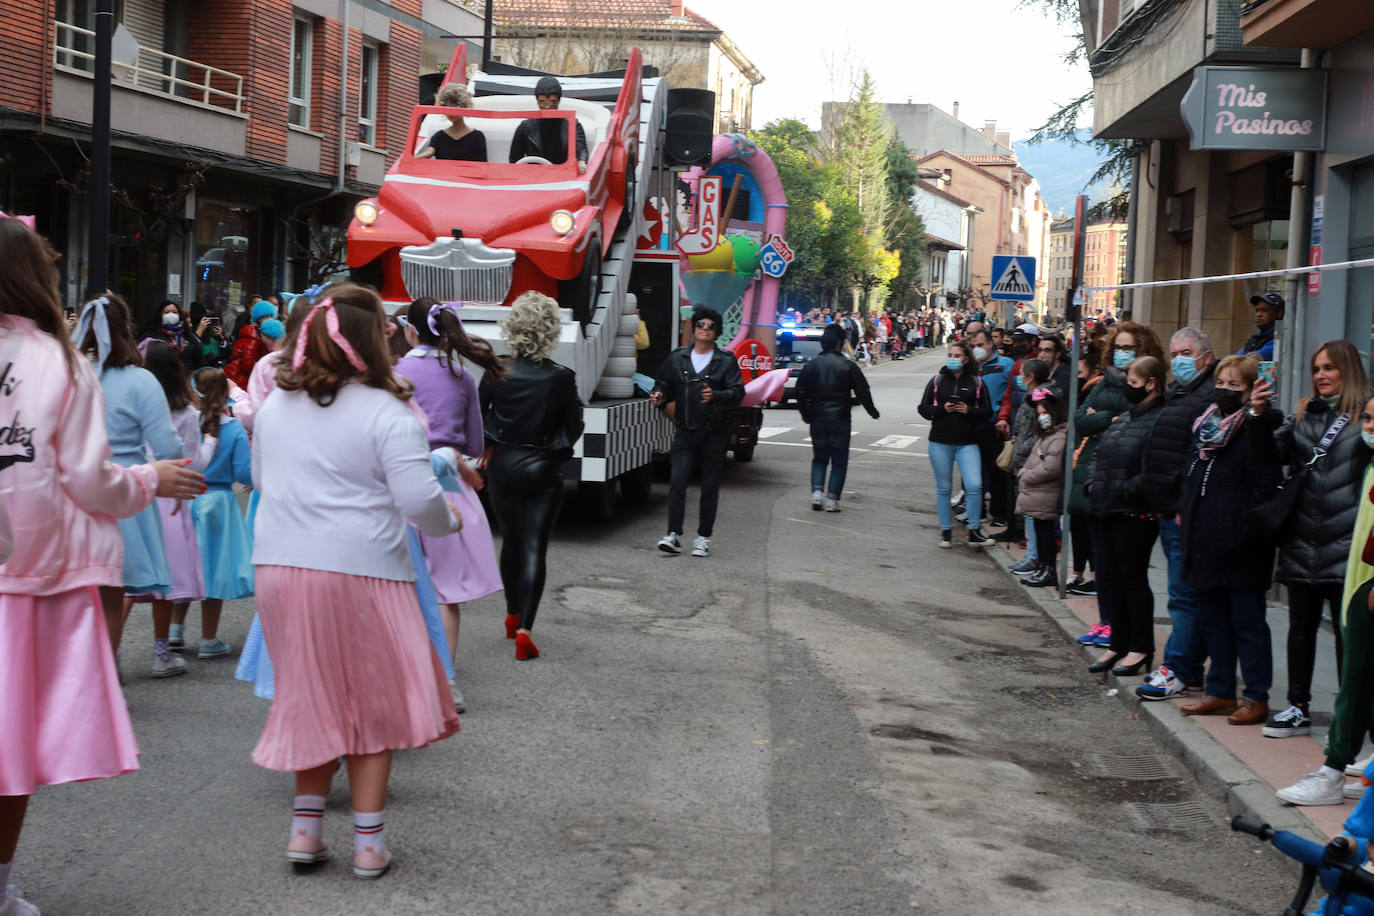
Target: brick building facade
x=230, y=118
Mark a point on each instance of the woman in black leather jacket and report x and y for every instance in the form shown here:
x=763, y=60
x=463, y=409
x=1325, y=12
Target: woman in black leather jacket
x=1126, y=529
x=532, y=417
x=1315, y=542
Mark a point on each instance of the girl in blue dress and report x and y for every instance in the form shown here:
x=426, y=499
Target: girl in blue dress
x=138, y=422
x=226, y=544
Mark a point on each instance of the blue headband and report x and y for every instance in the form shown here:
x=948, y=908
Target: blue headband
x=93, y=316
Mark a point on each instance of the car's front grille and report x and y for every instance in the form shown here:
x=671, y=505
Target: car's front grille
x=458, y=269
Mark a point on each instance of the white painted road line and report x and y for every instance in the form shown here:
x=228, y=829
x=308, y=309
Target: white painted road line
x=768, y=432
x=896, y=441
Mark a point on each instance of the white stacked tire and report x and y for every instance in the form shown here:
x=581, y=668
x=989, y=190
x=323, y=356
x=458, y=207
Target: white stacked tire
x=616, y=380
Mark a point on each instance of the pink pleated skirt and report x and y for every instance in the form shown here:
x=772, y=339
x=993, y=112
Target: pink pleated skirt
x=62, y=714
x=463, y=565
x=355, y=670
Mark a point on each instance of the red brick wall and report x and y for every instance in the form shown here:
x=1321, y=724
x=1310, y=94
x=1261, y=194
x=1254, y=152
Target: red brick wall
x=399, y=86
x=28, y=40
x=253, y=40
x=1111, y=13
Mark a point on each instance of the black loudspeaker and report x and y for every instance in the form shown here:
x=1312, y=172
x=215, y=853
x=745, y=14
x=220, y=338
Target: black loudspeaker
x=691, y=115
x=429, y=86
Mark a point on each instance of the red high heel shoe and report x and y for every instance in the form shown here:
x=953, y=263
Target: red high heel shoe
x=524, y=647
x=512, y=624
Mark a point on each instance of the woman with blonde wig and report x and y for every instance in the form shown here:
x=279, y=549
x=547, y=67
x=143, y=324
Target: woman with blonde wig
x=532, y=418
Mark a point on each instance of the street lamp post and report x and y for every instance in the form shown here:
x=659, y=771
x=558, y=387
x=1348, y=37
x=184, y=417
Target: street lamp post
x=98, y=238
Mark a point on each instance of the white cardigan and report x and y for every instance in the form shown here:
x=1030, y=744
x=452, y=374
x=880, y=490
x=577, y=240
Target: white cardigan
x=338, y=483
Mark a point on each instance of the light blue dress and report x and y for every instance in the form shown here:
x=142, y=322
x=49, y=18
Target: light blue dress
x=226, y=545
x=137, y=421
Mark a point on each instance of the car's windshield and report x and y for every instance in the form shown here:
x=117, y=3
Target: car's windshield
x=792, y=346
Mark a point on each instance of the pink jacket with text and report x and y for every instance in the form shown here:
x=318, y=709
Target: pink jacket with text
x=57, y=487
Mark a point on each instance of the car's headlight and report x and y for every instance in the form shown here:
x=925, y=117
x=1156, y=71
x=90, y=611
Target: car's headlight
x=562, y=222
x=366, y=212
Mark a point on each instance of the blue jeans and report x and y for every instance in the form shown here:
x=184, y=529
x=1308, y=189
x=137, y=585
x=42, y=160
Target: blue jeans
x=1031, y=550
x=1234, y=629
x=1183, y=653
x=829, y=447
x=942, y=459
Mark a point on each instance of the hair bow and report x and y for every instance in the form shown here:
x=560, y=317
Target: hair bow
x=1042, y=393
x=331, y=321
x=30, y=221
x=438, y=307
x=93, y=316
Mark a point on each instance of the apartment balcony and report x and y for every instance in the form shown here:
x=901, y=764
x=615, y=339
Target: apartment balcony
x=1143, y=68
x=152, y=93
x=1321, y=24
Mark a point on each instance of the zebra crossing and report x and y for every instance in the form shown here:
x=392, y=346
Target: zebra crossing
x=860, y=441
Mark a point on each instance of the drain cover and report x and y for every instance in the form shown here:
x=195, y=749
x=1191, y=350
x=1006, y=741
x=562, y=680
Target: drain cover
x=1171, y=816
x=1116, y=767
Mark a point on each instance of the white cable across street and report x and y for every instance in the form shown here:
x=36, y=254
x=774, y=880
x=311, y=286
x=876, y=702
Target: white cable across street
x=1255, y=275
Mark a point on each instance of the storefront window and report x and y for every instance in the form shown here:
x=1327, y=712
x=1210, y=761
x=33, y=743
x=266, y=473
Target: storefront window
x=1359, y=310
x=226, y=250
x=1268, y=251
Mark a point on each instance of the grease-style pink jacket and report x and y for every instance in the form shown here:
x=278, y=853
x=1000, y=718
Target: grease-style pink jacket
x=57, y=486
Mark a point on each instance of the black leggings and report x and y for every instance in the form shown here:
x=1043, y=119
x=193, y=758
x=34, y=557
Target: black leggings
x=1304, y=619
x=1046, y=544
x=1124, y=598
x=1080, y=530
x=526, y=491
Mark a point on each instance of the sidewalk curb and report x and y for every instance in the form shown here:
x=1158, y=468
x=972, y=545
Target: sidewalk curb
x=1218, y=772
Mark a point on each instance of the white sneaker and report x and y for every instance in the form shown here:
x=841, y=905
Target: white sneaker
x=701, y=547
x=669, y=543
x=1358, y=768
x=14, y=905
x=1354, y=788
x=832, y=505
x=1321, y=787
x=457, y=696
x=166, y=667
x=816, y=497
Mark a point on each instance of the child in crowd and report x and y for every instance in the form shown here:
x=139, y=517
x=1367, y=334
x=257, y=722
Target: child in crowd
x=355, y=673
x=1041, y=481
x=62, y=716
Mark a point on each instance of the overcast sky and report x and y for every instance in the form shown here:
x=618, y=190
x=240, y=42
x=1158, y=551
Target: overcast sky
x=1000, y=63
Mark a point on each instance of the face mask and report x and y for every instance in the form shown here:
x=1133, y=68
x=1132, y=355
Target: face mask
x=1227, y=401
x=1184, y=368
x=954, y=365
x=1368, y=438
x=1045, y=420
x=980, y=353
x=1136, y=395
x=1122, y=358
x=170, y=319
x=1020, y=383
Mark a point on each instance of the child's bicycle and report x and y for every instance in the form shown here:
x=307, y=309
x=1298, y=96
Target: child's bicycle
x=1337, y=865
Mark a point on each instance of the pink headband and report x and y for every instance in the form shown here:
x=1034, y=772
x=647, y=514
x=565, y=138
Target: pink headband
x=331, y=322
x=438, y=307
x=29, y=221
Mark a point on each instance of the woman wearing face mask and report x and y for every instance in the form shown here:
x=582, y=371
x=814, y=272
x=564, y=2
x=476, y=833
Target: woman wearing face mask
x=1032, y=375
x=956, y=403
x=1126, y=528
x=1041, y=481
x=1103, y=400
x=1226, y=562
x=1324, y=436
x=171, y=326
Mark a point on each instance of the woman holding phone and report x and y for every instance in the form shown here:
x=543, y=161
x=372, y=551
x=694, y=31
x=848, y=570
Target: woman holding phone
x=956, y=403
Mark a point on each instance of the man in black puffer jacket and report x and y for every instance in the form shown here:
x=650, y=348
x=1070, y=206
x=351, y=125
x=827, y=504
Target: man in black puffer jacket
x=825, y=390
x=1192, y=362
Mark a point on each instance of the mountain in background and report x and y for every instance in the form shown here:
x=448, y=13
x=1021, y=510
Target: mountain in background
x=1062, y=168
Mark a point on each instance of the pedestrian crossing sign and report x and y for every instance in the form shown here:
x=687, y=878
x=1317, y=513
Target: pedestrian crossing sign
x=1015, y=277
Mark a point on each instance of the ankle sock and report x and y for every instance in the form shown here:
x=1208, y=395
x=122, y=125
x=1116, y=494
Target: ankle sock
x=5, y=874
x=368, y=831
x=307, y=816
x=160, y=649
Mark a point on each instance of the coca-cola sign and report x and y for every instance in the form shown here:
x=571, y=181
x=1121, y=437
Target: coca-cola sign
x=1256, y=108
x=753, y=358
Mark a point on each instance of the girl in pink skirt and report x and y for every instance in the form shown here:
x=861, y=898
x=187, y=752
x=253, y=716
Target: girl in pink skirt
x=341, y=464
x=440, y=365
x=62, y=716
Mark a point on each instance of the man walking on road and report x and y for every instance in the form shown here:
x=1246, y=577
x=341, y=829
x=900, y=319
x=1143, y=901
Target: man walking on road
x=695, y=386
x=824, y=396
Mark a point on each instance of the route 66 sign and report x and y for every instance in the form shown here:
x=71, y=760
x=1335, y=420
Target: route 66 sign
x=775, y=256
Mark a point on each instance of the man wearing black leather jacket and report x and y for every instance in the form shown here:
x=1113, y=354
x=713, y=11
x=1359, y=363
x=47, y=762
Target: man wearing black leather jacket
x=696, y=385
x=825, y=390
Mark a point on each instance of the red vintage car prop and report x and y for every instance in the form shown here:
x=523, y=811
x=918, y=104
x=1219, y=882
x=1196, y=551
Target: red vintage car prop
x=484, y=232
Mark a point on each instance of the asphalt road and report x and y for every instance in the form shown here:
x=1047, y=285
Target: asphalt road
x=828, y=716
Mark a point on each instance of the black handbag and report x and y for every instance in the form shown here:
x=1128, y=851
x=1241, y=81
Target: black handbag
x=1272, y=514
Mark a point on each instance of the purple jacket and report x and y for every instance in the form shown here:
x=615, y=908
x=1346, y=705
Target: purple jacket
x=451, y=404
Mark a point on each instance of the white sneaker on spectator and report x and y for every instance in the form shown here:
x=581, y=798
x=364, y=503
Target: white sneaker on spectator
x=701, y=547
x=1320, y=787
x=1354, y=788
x=1359, y=767
x=14, y=905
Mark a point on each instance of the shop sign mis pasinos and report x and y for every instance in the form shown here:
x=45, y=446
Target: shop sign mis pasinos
x=1257, y=108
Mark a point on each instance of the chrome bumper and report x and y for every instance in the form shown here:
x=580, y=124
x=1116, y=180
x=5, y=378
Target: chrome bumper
x=450, y=269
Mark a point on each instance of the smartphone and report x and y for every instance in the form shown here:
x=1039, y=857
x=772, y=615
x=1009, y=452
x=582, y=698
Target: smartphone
x=1268, y=374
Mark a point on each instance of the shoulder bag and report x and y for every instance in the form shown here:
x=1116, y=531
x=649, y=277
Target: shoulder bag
x=1271, y=516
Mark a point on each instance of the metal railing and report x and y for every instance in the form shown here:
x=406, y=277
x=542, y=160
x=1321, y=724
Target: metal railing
x=155, y=71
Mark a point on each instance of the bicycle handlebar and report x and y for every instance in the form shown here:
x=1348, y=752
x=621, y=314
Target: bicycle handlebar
x=1336, y=855
x=1261, y=831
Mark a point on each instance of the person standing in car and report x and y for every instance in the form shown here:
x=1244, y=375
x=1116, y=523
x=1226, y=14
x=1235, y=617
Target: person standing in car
x=696, y=385
x=825, y=391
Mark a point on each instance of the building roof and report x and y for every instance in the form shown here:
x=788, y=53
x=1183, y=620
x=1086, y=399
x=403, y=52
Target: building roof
x=934, y=241
x=991, y=160
x=964, y=160
x=618, y=15
x=941, y=192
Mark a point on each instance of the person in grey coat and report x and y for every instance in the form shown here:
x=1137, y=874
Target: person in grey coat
x=1323, y=435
